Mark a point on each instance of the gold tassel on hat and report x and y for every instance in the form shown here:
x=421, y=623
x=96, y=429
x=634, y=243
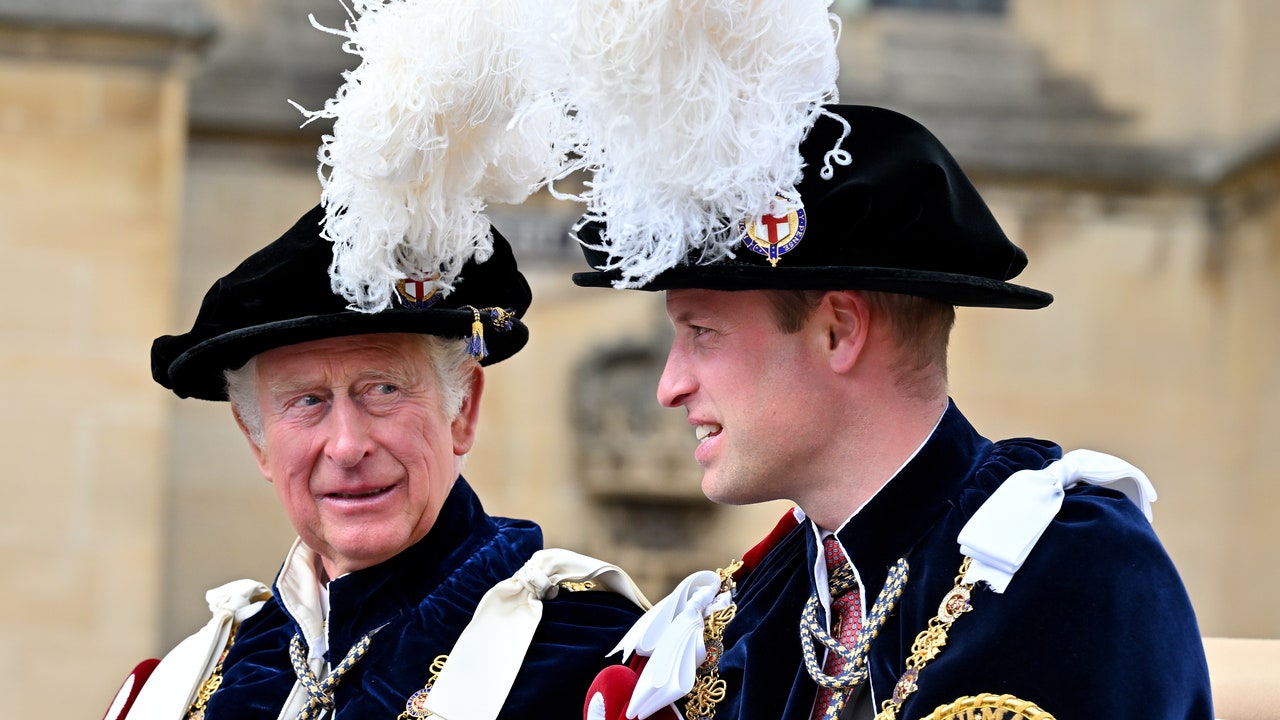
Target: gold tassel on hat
x=500, y=318
x=475, y=344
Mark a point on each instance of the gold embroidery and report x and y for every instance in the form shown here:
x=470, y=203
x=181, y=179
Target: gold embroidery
x=989, y=707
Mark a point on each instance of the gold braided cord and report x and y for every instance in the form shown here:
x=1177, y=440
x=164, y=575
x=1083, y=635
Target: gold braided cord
x=841, y=581
x=213, y=682
x=973, y=707
x=708, y=687
x=415, y=707
x=854, y=671
x=320, y=692
x=929, y=643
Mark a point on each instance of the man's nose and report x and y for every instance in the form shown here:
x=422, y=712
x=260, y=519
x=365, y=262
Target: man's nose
x=676, y=383
x=350, y=440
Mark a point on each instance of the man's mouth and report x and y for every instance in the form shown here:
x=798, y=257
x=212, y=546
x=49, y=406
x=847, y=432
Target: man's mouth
x=359, y=495
x=705, y=431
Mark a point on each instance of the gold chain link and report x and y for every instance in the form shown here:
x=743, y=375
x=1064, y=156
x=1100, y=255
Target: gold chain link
x=708, y=688
x=929, y=643
x=213, y=682
x=415, y=706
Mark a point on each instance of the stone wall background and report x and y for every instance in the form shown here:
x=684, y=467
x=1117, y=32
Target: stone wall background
x=1132, y=147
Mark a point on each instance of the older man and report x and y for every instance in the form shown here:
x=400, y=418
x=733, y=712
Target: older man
x=361, y=421
x=931, y=572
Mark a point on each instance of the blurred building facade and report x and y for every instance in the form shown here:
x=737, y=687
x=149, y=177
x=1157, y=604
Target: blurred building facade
x=1132, y=147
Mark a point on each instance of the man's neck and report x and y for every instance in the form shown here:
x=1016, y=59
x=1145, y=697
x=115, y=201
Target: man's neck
x=866, y=458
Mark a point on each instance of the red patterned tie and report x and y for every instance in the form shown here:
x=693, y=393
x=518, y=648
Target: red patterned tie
x=846, y=613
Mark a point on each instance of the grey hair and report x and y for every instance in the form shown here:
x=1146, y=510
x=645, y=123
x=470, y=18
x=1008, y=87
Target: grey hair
x=447, y=357
x=242, y=392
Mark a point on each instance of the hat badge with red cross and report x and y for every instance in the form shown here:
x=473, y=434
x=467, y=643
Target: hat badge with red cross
x=418, y=294
x=776, y=231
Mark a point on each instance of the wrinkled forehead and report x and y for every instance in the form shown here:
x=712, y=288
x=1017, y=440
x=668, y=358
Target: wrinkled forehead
x=402, y=357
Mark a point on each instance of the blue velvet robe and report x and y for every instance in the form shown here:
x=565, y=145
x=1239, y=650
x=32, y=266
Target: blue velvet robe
x=424, y=597
x=1096, y=623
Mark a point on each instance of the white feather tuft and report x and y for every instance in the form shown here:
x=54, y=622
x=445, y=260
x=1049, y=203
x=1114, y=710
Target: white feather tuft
x=439, y=119
x=688, y=114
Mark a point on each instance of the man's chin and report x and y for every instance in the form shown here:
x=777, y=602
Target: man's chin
x=362, y=552
x=718, y=493
x=722, y=491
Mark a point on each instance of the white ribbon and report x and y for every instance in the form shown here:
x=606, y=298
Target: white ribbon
x=1002, y=532
x=483, y=664
x=169, y=691
x=671, y=635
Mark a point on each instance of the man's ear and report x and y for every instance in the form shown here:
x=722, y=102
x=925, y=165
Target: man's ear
x=464, y=425
x=844, y=316
x=259, y=453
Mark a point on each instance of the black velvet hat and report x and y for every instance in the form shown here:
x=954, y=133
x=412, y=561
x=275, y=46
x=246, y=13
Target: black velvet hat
x=900, y=217
x=281, y=296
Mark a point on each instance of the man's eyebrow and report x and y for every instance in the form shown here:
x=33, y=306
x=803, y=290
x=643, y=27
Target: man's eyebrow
x=395, y=377
x=685, y=315
x=405, y=376
x=284, y=387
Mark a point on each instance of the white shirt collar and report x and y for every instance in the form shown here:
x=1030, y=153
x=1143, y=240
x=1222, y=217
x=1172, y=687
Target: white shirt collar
x=305, y=596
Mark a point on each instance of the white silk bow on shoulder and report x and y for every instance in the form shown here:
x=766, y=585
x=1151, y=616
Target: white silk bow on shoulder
x=1001, y=534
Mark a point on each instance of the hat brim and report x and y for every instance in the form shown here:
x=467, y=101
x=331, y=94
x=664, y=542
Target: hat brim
x=951, y=288
x=198, y=372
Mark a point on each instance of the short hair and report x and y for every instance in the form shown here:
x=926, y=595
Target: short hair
x=792, y=308
x=921, y=326
x=448, y=358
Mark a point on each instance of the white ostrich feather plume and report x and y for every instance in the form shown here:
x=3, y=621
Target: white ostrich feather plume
x=437, y=121
x=687, y=114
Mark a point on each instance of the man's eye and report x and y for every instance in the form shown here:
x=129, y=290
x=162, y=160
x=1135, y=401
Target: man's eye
x=308, y=401
x=698, y=330
x=381, y=395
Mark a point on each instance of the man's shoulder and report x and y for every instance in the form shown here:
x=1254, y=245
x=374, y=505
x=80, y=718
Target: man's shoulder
x=574, y=640
x=574, y=610
x=1084, y=483
x=1082, y=513
x=1072, y=574
x=269, y=618
x=1013, y=454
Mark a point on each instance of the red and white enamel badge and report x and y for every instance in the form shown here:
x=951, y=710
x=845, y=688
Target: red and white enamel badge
x=418, y=294
x=775, y=232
